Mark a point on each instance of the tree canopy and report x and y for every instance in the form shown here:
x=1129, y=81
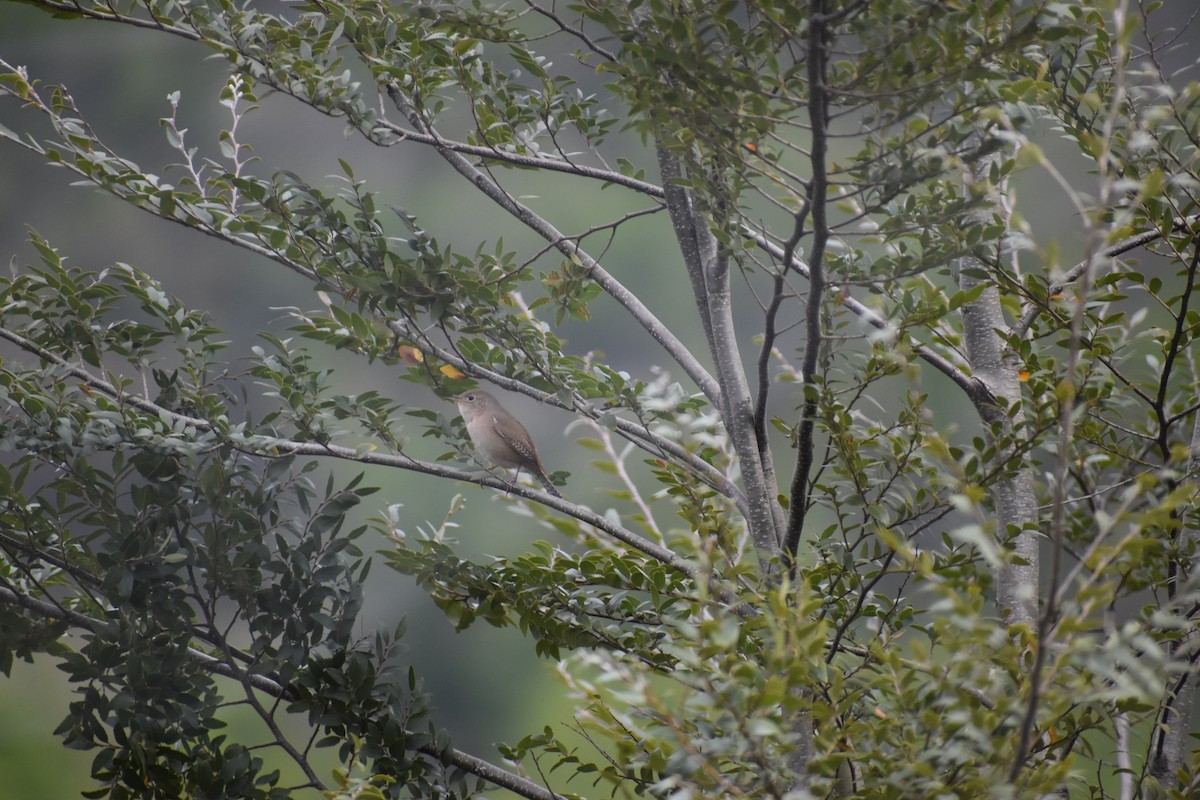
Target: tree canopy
x=897, y=496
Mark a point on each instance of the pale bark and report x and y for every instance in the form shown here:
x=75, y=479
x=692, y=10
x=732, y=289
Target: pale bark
x=1174, y=745
x=996, y=371
x=708, y=272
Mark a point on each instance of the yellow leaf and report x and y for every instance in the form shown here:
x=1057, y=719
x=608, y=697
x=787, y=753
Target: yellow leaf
x=410, y=355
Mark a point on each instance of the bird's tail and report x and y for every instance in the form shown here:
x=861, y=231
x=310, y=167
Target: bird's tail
x=545, y=481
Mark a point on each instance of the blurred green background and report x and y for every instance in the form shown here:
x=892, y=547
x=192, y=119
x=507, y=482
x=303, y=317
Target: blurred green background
x=486, y=684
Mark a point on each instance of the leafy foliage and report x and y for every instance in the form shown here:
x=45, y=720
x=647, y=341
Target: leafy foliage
x=922, y=608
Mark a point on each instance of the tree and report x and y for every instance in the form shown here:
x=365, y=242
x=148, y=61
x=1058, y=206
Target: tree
x=861, y=597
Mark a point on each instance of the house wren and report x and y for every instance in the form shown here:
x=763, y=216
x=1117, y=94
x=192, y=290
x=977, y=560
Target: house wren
x=499, y=437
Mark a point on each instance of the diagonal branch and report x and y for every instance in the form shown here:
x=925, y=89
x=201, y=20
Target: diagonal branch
x=539, y=225
x=1074, y=273
x=638, y=433
x=631, y=430
x=969, y=385
x=273, y=447
x=521, y=159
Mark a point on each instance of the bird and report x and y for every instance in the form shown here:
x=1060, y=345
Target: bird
x=499, y=437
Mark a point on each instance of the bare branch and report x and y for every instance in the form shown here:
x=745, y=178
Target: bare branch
x=627, y=299
x=273, y=447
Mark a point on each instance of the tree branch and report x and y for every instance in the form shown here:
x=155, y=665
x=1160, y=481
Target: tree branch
x=818, y=111
x=636, y=432
x=1173, y=738
x=615, y=289
x=708, y=271
x=112, y=15
x=522, y=160
x=464, y=761
x=1112, y=251
x=971, y=387
x=273, y=447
